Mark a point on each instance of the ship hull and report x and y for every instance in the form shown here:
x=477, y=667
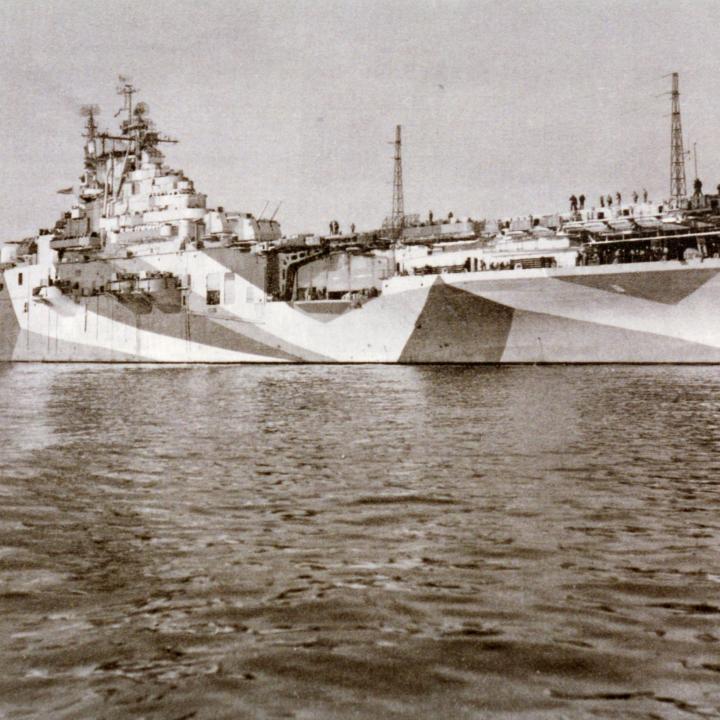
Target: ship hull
x=665, y=312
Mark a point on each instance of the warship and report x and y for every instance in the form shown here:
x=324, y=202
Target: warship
x=140, y=269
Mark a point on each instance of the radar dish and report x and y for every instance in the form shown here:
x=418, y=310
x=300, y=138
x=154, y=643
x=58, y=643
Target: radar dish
x=89, y=110
x=141, y=109
x=125, y=85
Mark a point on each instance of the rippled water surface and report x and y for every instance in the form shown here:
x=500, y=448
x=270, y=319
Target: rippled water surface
x=372, y=541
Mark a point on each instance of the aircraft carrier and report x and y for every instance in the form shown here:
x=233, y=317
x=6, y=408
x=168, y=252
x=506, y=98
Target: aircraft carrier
x=140, y=269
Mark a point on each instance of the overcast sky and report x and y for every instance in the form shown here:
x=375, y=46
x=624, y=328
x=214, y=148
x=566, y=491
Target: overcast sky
x=507, y=107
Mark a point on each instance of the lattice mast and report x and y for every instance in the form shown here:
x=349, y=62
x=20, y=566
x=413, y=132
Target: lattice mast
x=398, y=210
x=90, y=149
x=678, y=187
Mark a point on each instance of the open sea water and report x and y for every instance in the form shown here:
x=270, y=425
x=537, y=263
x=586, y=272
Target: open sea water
x=359, y=542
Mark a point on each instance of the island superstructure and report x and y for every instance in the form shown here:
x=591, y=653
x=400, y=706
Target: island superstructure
x=140, y=269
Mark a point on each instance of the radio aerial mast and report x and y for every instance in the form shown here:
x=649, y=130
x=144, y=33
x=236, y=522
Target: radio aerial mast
x=398, y=212
x=678, y=186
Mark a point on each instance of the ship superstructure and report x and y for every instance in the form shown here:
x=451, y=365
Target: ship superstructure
x=141, y=269
x=128, y=196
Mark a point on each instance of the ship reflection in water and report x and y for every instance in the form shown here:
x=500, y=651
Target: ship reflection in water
x=367, y=541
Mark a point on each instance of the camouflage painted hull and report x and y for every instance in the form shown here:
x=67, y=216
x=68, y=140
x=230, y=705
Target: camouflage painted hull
x=645, y=312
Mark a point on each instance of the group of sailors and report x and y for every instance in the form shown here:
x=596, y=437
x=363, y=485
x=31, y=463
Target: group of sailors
x=335, y=227
x=578, y=203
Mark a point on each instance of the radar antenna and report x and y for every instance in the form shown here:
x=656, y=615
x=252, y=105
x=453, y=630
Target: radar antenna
x=89, y=112
x=127, y=90
x=141, y=109
x=90, y=149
